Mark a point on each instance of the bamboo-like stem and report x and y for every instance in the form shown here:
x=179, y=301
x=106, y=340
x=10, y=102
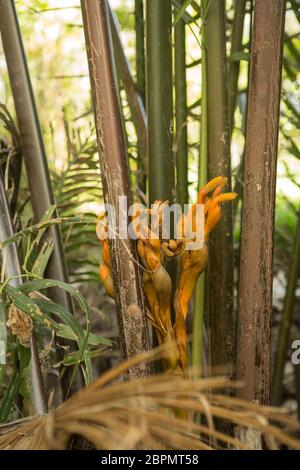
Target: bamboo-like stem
x=13, y=271
x=159, y=100
x=140, y=84
x=202, y=178
x=181, y=146
x=140, y=49
x=135, y=102
x=220, y=269
x=286, y=319
x=115, y=178
x=256, y=257
x=31, y=139
x=234, y=65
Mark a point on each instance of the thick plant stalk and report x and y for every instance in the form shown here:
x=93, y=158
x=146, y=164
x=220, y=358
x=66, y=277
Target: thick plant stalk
x=234, y=64
x=140, y=48
x=12, y=270
x=140, y=83
x=31, y=139
x=286, y=320
x=159, y=100
x=256, y=258
x=181, y=147
x=135, y=102
x=198, y=320
x=220, y=270
x=115, y=179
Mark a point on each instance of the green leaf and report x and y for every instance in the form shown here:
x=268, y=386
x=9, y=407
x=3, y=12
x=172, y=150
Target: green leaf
x=42, y=311
x=182, y=14
x=64, y=331
x=15, y=383
x=9, y=397
x=73, y=358
x=181, y=11
x=237, y=56
x=3, y=333
x=42, y=259
x=43, y=225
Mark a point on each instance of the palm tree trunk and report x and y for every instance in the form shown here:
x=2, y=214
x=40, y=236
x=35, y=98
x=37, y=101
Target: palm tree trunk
x=159, y=99
x=31, y=140
x=199, y=306
x=135, y=103
x=115, y=178
x=13, y=271
x=140, y=49
x=256, y=258
x=181, y=146
x=234, y=64
x=220, y=269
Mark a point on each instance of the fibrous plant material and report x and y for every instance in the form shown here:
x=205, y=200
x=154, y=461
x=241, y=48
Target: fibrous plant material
x=154, y=253
x=115, y=179
x=139, y=414
x=256, y=256
x=20, y=325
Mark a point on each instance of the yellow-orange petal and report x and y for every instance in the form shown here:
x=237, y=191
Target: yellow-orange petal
x=226, y=197
x=214, y=183
x=213, y=219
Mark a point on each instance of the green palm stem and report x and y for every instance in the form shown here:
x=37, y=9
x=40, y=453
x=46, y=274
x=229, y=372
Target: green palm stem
x=135, y=103
x=159, y=100
x=31, y=140
x=11, y=266
x=234, y=64
x=199, y=303
x=181, y=145
x=159, y=106
x=140, y=82
x=220, y=267
x=140, y=49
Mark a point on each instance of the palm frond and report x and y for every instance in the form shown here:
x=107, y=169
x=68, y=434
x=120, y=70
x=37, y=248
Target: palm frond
x=141, y=414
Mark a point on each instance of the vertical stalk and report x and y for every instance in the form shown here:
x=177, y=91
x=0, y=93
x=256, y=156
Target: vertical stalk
x=135, y=102
x=181, y=147
x=140, y=84
x=256, y=257
x=159, y=99
x=115, y=178
x=13, y=270
x=202, y=178
x=220, y=269
x=31, y=139
x=234, y=65
x=286, y=320
x=140, y=49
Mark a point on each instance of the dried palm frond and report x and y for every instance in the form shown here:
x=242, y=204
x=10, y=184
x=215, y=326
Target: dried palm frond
x=139, y=414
